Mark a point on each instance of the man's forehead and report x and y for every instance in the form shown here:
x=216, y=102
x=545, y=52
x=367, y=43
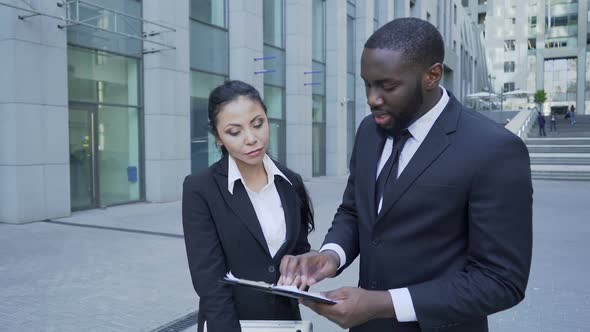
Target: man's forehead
x=383, y=63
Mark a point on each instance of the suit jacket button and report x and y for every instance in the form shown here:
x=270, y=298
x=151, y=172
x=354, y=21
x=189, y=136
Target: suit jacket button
x=271, y=269
x=373, y=284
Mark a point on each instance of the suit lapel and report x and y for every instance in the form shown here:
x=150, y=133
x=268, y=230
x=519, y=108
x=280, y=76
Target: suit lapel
x=240, y=204
x=292, y=213
x=435, y=143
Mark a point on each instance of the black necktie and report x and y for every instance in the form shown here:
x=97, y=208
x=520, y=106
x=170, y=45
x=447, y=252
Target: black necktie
x=391, y=165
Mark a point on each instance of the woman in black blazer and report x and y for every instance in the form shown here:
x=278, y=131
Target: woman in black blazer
x=242, y=214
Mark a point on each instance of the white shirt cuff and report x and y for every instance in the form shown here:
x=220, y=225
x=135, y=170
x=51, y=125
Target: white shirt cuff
x=338, y=249
x=403, y=305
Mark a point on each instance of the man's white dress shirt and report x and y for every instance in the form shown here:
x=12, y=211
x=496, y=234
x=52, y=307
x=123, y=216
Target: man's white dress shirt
x=402, y=300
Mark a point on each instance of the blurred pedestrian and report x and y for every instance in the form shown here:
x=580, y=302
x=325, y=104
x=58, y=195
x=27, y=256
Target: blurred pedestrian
x=541, y=123
x=553, y=126
x=572, y=114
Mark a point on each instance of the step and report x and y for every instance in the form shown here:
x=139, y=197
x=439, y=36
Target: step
x=559, y=141
x=560, y=172
x=560, y=158
x=549, y=135
x=560, y=176
x=550, y=148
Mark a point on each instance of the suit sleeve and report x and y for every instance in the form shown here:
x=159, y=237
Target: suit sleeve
x=207, y=262
x=306, y=213
x=344, y=229
x=499, y=246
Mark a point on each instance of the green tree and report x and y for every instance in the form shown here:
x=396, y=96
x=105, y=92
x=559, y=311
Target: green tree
x=540, y=97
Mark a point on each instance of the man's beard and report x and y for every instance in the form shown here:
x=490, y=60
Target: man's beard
x=409, y=114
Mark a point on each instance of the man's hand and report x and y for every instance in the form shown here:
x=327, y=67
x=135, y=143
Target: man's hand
x=308, y=269
x=355, y=306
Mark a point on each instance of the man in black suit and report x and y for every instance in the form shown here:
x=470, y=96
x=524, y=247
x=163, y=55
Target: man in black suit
x=438, y=204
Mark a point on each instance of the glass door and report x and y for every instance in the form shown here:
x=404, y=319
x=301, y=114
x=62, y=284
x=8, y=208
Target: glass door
x=83, y=186
x=117, y=138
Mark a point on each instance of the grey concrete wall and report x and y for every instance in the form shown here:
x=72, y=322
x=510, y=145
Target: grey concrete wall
x=34, y=150
x=336, y=133
x=363, y=30
x=298, y=37
x=582, y=33
x=167, y=104
x=245, y=41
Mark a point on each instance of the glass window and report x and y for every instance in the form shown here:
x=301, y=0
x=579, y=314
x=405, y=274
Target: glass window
x=509, y=66
x=204, y=151
x=318, y=136
x=351, y=127
x=560, y=79
x=274, y=64
x=100, y=77
x=481, y=18
x=482, y=2
x=509, y=86
x=350, y=85
x=274, y=98
x=533, y=22
x=319, y=78
x=455, y=14
x=273, y=22
x=318, y=30
x=509, y=45
x=209, y=11
x=532, y=44
x=350, y=45
x=209, y=48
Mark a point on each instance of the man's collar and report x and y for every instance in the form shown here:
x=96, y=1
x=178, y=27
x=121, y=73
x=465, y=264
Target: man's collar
x=233, y=172
x=420, y=128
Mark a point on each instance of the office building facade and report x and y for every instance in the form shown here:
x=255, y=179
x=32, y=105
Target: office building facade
x=537, y=45
x=104, y=102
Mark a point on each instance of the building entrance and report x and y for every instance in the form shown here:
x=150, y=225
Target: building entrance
x=104, y=155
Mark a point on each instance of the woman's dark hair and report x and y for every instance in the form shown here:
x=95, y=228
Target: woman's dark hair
x=306, y=206
x=227, y=92
x=231, y=90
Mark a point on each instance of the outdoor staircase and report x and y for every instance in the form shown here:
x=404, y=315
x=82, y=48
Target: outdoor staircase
x=561, y=155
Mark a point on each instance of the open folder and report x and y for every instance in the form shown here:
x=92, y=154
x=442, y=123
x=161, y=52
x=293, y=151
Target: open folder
x=288, y=291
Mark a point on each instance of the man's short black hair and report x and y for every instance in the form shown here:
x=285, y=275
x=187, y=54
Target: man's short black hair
x=418, y=40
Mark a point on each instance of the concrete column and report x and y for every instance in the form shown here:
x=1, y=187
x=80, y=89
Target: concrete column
x=582, y=31
x=167, y=104
x=246, y=41
x=364, y=30
x=298, y=37
x=34, y=149
x=336, y=134
x=540, y=77
x=386, y=9
x=402, y=8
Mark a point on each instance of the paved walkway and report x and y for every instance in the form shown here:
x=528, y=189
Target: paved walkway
x=124, y=268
